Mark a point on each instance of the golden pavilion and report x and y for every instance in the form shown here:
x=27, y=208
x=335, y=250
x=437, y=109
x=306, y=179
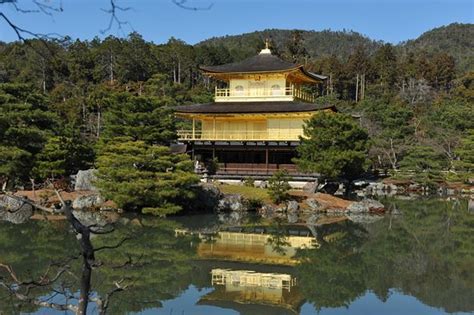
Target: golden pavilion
x=255, y=122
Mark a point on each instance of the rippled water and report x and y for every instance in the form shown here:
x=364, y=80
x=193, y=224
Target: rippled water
x=418, y=262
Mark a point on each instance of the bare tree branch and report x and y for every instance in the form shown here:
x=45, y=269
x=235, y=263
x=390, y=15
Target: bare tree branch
x=183, y=4
x=113, y=10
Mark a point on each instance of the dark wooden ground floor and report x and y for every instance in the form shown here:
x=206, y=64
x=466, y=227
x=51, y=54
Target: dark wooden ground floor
x=247, y=159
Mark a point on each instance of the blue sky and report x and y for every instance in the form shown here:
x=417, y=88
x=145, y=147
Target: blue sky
x=157, y=20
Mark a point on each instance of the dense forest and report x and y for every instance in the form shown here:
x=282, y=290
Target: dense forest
x=63, y=103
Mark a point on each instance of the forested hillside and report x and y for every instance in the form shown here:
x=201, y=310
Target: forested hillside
x=455, y=39
x=316, y=44
x=62, y=102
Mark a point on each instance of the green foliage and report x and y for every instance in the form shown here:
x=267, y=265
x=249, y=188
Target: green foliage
x=249, y=181
x=422, y=164
x=417, y=92
x=278, y=186
x=385, y=63
x=246, y=192
x=142, y=177
x=465, y=152
x=140, y=118
x=390, y=128
x=63, y=155
x=253, y=204
x=212, y=166
x=14, y=163
x=334, y=146
x=453, y=39
x=25, y=125
x=51, y=161
x=427, y=252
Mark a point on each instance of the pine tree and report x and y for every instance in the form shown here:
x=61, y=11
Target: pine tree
x=278, y=186
x=385, y=63
x=140, y=118
x=465, y=152
x=14, y=164
x=142, y=177
x=422, y=164
x=25, y=125
x=334, y=146
x=51, y=161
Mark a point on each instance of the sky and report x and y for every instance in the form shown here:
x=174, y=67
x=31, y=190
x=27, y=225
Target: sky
x=157, y=20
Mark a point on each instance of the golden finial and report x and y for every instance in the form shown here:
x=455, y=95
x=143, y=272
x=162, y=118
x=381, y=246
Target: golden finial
x=267, y=49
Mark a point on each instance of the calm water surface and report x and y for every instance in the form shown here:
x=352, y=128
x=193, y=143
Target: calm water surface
x=418, y=262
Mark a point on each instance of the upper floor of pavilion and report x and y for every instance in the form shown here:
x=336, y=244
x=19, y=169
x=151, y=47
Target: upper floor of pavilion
x=262, y=78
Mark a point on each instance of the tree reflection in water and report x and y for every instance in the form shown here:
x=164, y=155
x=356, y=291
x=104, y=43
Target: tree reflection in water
x=427, y=252
x=41, y=267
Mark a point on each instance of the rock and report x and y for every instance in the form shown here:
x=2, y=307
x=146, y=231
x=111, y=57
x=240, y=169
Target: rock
x=90, y=218
x=414, y=187
x=450, y=191
x=331, y=202
x=262, y=184
x=207, y=198
x=87, y=202
x=392, y=187
x=292, y=217
x=17, y=217
x=281, y=209
x=231, y=202
x=313, y=219
x=364, y=218
x=230, y=218
x=123, y=220
x=470, y=206
x=313, y=204
x=330, y=188
x=337, y=211
x=366, y=206
x=85, y=180
x=12, y=204
x=135, y=222
x=292, y=206
x=14, y=210
x=266, y=210
x=310, y=187
x=340, y=190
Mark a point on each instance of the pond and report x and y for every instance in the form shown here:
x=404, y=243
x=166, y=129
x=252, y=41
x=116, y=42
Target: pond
x=420, y=261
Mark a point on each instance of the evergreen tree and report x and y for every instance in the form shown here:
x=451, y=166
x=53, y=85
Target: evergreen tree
x=334, y=146
x=422, y=164
x=51, y=161
x=385, y=63
x=295, y=48
x=63, y=155
x=15, y=164
x=142, y=177
x=25, y=125
x=278, y=186
x=140, y=118
x=465, y=153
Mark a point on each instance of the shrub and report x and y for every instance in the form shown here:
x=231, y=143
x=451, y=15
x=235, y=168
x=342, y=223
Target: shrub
x=278, y=186
x=249, y=182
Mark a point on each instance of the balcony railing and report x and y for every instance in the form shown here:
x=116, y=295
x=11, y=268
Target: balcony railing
x=279, y=135
x=287, y=94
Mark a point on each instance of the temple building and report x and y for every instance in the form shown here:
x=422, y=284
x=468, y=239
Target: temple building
x=255, y=122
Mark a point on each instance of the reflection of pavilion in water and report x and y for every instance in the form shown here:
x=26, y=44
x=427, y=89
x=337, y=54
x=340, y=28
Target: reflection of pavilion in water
x=254, y=292
x=258, y=244
x=270, y=290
